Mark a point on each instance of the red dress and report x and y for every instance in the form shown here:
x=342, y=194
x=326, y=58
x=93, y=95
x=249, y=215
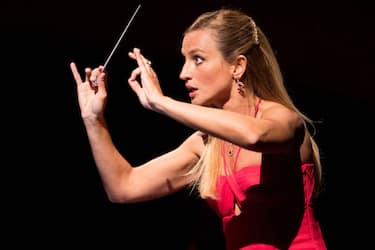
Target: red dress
x=275, y=204
x=268, y=219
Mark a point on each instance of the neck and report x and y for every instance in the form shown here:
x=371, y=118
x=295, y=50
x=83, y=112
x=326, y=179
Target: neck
x=242, y=104
x=249, y=108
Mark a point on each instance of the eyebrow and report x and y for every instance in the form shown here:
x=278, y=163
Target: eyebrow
x=194, y=51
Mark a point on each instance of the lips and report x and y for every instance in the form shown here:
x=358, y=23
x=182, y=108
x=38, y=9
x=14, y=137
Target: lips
x=192, y=91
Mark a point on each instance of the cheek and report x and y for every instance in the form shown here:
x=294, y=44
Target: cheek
x=215, y=88
x=219, y=80
x=217, y=76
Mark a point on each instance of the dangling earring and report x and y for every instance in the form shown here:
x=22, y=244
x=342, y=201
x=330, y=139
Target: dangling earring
x=240, y=85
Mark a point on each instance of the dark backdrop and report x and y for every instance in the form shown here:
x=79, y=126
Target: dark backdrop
x=52, y=192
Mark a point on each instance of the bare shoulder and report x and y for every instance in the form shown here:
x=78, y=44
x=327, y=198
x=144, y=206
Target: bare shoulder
x=276, y=111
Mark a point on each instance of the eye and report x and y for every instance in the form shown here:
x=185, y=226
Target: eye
x=198, y=60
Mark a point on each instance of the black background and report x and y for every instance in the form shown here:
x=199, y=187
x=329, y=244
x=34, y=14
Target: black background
x=53, y=196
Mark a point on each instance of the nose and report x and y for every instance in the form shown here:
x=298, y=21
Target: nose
x=185, y=72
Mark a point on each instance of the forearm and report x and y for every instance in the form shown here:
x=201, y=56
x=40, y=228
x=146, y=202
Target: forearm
x=274, y=132
x=224, y=124
x=112, y=166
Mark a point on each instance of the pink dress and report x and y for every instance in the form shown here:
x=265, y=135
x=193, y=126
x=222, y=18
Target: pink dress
x=275, y=204
x=269, y=219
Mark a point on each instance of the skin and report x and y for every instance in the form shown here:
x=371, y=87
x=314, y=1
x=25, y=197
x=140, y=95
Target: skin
x=216, y=108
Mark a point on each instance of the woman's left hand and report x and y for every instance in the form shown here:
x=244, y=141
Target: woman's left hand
x=148, y=89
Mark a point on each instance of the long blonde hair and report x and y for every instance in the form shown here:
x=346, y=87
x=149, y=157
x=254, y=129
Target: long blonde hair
x=237, y=34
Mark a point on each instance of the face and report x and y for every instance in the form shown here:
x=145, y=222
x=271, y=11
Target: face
x=208, y=77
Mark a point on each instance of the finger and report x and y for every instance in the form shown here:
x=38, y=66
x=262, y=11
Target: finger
x=145, y=61
x=88, y=75
x=132, y=56
x=140, y=59
x=95, y=73
x=102, y=82
x=134, y=84
x=135, y=73
x=102, y=69
x=75, y=72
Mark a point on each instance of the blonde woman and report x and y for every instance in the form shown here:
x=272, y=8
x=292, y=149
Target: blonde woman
x=252, y=156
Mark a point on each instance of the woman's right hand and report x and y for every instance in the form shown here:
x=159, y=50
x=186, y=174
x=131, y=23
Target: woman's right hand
x=92, y=93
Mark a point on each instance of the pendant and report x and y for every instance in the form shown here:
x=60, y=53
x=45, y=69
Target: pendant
x=230, y=150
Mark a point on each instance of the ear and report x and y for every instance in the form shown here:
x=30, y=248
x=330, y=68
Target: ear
x=239, y=66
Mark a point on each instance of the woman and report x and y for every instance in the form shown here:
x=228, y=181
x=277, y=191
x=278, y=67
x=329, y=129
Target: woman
x=252, y=156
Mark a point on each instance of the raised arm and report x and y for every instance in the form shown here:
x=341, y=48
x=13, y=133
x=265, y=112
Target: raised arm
x=122, y=181
x=276, y=129
x=158, y=177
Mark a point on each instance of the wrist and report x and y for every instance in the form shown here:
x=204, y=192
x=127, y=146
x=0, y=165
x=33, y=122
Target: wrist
x=92, y=122
x=162, y=104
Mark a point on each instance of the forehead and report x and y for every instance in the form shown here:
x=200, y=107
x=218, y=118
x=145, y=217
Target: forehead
x=199, y=40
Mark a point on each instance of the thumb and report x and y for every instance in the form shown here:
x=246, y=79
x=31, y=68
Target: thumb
x=102, y=82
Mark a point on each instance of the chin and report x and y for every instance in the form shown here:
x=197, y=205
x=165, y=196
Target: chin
x=196, y=101
x=201, y=102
